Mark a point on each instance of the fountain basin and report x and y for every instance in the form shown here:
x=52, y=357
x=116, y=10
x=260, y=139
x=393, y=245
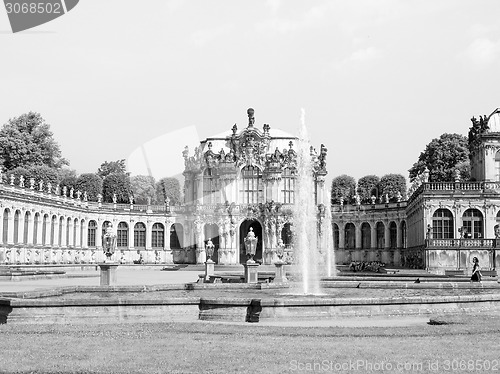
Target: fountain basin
x=184, y=303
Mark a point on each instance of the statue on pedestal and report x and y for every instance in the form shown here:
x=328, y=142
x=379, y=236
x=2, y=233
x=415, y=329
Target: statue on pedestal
x=209, y=248
x=109, y=243
x=250, y=245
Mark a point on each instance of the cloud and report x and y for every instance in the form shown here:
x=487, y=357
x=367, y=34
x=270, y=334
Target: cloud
x=273, y=5
x=202, y=37
x=360, y=56
x=482, y=52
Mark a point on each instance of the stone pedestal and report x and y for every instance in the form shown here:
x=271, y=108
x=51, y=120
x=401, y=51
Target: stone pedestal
x=108, y=274
x=251, y=274
x=280, y=273
x=209, y=269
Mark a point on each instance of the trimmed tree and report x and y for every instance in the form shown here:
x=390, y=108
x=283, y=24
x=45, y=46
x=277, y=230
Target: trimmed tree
x=170, y=187
x=45, y=174
x=366, y=185
x=68, y=178
x=27, y=141
x=442, y=156
x=119, y=184
x=143, y=187
x=90, y=183
x=392, y=184
x=343, y=186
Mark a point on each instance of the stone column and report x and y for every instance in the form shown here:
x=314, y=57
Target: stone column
x=131, y=235
x=84, y=234
x=166, y=239
x=358, y=236
x=10, y=229
x=399, y=238
x=63, y=229
x=373, y=236
x=387, y=236
x=342, y=235
x=71, y=228
x=31, y=230
x=20, y=229
x=39, y=230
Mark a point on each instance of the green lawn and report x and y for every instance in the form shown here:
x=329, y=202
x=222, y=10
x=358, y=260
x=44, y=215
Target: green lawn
x=251, y=348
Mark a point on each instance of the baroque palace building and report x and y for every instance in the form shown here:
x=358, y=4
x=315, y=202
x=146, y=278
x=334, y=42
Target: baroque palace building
x=442, y=226
x=245, y=179
x=234, y=182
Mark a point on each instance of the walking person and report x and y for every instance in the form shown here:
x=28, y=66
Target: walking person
x=476, y=273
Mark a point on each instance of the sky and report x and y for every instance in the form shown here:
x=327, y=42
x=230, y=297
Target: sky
x=378, y=80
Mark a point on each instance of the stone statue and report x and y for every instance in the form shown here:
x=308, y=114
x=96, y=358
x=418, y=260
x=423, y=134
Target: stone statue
x=71, y=192
x=457, y=175
x=497, y=231
x=32, y=183
x=58, y=189
x=12, y=178
x=65, y=191
x=358, y=200
x=387, y=198
x=114, y=198
x=209, y=248
x=280, y=251
x=49, y=187
x=40, y=185
x=426, y=175
x=78, y=194
x=131, y=199
x=251, y=245
x=373, y=199
x=99, y=198
x=109, y=243
x=399, y=197
x=85, y=196
x=21, y=181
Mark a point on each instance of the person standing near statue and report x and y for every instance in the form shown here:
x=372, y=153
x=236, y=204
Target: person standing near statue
x=476, y=273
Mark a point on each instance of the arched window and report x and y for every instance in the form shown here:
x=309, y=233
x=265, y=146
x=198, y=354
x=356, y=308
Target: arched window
x=68, y=228
x=286, y=235
x=75, y=226
x=91, y=242
x=16, y=226
x=211, y=187
x=5, y=234
x=176, y=236
x=336, y=236
x=36, y=227
x=139, y=235
x=366, y=236
x=27, y=217
x=44, y=228
x=53, y=230
x=473, y=223
x=497, y=166
x=61, y=220
x=380, y=235
x=157, y=235
x=442, y=224
x=122, y=235
x=251, y=185
x=350, y=236
x=393, y=235
x=288, y=185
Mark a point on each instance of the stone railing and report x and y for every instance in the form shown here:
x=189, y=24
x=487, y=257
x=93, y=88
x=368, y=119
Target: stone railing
x=478, y=187
x=460, y=243
x=49, y=197
x=350, y=208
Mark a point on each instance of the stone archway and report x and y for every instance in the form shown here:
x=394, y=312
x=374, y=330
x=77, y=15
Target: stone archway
x=257, y=229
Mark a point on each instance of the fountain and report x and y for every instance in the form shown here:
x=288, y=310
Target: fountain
x=305, y=222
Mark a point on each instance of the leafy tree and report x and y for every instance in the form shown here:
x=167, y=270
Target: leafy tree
x=119, y=184
x=108, y=168
x=343, y=186
x=143, y=186
x=27, y=141
x=168, y=187
x=90, y=183
x=441, y=157
x=68, y=178
x=391, y=184
x=366, y=185
x=45, y=174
